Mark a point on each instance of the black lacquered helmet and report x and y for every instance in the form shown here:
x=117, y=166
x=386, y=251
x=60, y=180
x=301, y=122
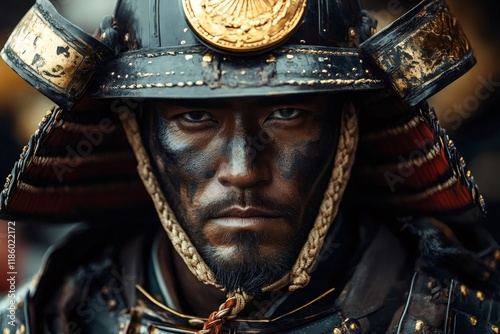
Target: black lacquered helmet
x=237, y=48
x=79, y=160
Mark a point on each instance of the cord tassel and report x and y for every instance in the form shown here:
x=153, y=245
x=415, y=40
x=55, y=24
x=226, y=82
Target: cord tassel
x=216, y=320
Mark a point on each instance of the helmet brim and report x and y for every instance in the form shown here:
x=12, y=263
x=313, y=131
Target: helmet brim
x=198, y=72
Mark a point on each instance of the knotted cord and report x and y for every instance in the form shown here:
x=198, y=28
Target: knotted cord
x=216, y=320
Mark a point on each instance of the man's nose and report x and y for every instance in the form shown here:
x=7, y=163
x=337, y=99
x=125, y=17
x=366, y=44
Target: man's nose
x=243, y=164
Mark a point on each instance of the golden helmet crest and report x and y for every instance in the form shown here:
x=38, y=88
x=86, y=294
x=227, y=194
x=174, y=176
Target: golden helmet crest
x=243, y=25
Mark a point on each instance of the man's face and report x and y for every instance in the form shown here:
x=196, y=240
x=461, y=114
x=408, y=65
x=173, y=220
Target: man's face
x=245, y=177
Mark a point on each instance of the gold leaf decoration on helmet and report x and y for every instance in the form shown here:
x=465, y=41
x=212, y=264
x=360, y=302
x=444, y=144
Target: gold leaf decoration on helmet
x=243, y=25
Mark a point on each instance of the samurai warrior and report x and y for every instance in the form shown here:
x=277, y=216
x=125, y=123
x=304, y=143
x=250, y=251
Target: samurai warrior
x=249, y=166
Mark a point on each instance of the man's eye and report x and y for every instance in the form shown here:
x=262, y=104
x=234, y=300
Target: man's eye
x=197, y=116
x=286, y=114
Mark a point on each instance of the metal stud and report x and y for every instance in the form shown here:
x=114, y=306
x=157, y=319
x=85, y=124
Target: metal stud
x=419, y=325
x=112, y=304
x=337, y=331
x=495, y=329
x=354, y=326
x=464, y=290
x=473, y=321
x=497, y=255
x=482, y=203
x=208, y=58
x=480, y=296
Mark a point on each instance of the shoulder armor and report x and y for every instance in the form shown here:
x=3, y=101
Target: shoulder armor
x=434, y=307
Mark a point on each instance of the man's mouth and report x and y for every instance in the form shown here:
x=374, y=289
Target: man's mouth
x=249, y=218
x=245, y=212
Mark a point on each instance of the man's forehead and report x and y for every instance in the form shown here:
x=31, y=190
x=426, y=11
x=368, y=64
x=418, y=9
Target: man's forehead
x=254, y=101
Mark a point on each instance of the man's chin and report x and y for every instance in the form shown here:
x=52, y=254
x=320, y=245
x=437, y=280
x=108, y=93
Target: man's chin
x=247, y=268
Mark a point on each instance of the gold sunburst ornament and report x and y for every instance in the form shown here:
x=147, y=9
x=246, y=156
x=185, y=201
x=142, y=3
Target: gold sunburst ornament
x=243, y=25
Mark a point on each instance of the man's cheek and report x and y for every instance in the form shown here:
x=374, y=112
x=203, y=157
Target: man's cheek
x=299, y=160
x=291, y=164
x=191, y=190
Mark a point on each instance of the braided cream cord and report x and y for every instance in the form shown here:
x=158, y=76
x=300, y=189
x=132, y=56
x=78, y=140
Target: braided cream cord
x=177, y=235
x=344, y=159
x=299, y=276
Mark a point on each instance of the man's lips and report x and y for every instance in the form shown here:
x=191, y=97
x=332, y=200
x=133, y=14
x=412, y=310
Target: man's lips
x=246, y=212
x=237, y=219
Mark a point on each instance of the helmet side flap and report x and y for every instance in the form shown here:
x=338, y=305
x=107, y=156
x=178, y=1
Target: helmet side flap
x=53, y=55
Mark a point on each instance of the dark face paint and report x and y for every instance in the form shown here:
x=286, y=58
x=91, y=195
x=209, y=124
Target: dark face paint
x=245, y=177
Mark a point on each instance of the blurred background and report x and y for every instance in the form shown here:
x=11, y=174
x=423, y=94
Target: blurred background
x=468, y=109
